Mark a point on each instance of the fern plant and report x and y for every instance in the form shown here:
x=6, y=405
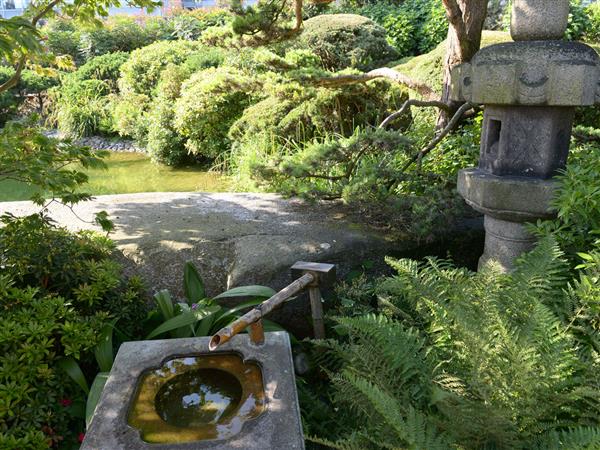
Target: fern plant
x=466, y=360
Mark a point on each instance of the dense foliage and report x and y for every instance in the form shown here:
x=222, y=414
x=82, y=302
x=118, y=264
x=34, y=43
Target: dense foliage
x=82, y=42
x=458, y=359
x=347, y=40
x=413, y=27
x=39, y=405
x=57, y=291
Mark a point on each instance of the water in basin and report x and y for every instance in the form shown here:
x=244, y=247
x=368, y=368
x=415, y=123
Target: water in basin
x=197, y=398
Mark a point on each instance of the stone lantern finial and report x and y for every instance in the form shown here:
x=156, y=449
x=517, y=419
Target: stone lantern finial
x=537, y=20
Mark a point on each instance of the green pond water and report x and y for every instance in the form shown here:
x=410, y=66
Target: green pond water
x=130, y=173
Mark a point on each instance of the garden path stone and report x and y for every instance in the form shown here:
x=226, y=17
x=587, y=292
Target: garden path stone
x=234, y=239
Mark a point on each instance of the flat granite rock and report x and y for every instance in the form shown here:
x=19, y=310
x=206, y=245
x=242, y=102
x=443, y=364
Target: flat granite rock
x=233, y=239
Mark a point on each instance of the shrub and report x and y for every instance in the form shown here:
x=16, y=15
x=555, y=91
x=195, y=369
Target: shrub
x=347, y=40
x=81, y=108
x=331, y=167
x=165, y=145
x=579, y=22
x=577, y=202
x=31, y=82
x=78, y=267
x=293, y=112
x=140, y=74
x=39, y=402
x=139, y=78
x=129, y=115
x=592, y=33
x=62, y=38
x=57, y=291
x=211, y=100
x=122, y=34
x=105, y=68
x=131, y=112
x=295, y=122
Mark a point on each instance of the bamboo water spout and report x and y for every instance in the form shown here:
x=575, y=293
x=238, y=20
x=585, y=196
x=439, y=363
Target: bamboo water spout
x=311, y=275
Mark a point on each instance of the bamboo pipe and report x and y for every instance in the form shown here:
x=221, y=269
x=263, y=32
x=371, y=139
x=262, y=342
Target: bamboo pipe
x=256, y=314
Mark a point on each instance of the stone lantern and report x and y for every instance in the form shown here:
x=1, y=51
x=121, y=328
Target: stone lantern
x=530, y=88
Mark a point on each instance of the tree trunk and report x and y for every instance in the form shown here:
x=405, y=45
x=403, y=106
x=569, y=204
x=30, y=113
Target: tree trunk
x=466, y=18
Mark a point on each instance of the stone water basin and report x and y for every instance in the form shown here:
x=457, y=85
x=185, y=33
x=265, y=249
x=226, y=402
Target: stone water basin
x=175, y=394
x=197, y=398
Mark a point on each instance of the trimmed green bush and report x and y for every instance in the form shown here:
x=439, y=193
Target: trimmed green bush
x=123, y=36
x=347, y=40
x=105, y=68
x=295, y=113
x=211, y=101
x=141, y=73
x=139, y=79
x=165, y=145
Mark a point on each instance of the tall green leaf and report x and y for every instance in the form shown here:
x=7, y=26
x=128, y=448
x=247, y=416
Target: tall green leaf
x=248, y=291
x=94, y=396
x=182, y=320
x=230, y=315
x=165, y=304
x=193, y=286
x=104, y=349
x=71, y=368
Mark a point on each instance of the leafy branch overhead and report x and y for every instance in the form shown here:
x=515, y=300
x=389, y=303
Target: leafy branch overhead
x=20, y=40
x=53, y=167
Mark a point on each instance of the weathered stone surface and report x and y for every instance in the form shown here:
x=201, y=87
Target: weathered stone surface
x=534, y=20
x=551, y=73
x=516, y=199
x=505, y=241
x=530, y=141
x=234, y=239
x=278, y=427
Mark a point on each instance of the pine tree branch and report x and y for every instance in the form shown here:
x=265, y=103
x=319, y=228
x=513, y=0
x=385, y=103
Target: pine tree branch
x=438, y=138
x=413, y=102
x=384, y=72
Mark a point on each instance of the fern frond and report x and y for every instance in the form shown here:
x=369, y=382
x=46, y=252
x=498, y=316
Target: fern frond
x=580, y=438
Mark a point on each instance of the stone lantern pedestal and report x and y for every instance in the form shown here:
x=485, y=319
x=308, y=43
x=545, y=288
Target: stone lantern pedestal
x=530, y=89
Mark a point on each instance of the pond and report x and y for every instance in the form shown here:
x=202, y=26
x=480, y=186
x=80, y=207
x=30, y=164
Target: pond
x=134, y=172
